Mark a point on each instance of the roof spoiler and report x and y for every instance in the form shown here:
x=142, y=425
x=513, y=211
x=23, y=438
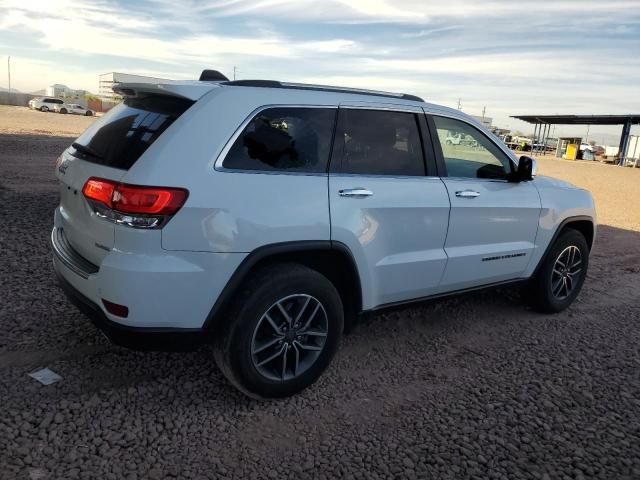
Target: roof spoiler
x=191, y=90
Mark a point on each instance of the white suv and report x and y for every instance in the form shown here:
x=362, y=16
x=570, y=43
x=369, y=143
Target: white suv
x=45, y=104
x=266, y=216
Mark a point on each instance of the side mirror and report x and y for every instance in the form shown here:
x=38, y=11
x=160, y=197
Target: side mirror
x=527, y=169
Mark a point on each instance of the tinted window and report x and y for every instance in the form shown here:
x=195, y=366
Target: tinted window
x=376, y=142
x=123, y=134
x=292, y=139
x=468, y=152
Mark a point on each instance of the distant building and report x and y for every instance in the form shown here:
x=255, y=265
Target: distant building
x=486, y=121
x=500, y=132
x=107, y=81
x=59, y=90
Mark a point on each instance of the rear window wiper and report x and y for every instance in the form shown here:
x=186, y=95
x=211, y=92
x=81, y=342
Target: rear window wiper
x=86, y=150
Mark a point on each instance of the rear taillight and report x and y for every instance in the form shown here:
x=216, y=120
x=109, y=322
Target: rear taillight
x=100, y=191
x=133, y=205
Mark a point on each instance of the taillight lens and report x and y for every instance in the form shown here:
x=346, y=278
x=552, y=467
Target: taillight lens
x=148, y=200
x=99, y=190
x=142, y=206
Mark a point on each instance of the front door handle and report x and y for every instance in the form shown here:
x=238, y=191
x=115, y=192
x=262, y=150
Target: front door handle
x=355, y=192
x=467, y=194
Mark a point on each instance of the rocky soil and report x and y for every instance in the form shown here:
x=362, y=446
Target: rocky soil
x=477, y=386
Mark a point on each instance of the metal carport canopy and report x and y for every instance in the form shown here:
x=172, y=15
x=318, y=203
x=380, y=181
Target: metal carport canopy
x=625, y=120
x=579, y=119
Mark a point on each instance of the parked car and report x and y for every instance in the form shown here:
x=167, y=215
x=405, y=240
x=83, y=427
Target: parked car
x=73, y=108
x=268, y=233
x=44, y=104
x=453, y=139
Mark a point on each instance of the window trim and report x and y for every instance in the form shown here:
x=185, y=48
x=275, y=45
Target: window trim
x=217, y=163
x=335, y=165
x=440, y=162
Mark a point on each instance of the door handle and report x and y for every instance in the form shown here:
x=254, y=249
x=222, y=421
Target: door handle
x=355, y=192
x=467, y=194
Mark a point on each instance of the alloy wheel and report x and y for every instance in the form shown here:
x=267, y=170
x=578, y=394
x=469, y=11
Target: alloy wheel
x=289, y=337
x=566, y=272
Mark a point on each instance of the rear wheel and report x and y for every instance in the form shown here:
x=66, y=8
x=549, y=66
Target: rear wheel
x=560, y=277
x=281, y=333
x=89, y=113
x=63, y=110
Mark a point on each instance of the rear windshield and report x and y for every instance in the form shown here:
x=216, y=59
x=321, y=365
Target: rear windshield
x=123, y=134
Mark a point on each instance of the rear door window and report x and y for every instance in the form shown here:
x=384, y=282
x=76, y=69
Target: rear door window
x=293, y=139
x=125, y=132
x=378, y=142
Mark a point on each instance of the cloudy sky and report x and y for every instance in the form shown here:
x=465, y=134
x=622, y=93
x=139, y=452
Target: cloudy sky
x=512, y=56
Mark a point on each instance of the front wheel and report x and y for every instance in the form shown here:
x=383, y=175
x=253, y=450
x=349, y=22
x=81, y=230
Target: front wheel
x=281, y=332
x=89, y=113
x=63, y=110
x=562, y=273
x=44, y=109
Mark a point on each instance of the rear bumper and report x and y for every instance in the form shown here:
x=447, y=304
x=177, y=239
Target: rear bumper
x=145, y=339
x=169, y=295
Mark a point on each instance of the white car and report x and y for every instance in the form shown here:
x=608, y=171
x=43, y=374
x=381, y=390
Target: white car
x=73, y=108
x=265, y=217
x=45, y=104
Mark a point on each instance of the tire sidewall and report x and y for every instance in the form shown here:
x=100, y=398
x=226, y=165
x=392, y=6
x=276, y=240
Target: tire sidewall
x=566, y=239
x=237, y=347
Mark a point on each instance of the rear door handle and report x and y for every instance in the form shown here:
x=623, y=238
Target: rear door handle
x=467, y=194
x=355, y=192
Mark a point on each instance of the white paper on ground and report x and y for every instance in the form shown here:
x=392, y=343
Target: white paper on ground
x=45, y=376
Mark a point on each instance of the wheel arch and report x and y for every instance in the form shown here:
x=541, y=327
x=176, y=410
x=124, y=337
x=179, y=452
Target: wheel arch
x=332, y=259
x=582, y=223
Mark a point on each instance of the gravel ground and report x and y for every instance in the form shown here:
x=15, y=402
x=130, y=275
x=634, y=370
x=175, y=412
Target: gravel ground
x=469, y=387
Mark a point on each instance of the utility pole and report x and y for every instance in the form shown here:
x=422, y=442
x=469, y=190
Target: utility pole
x=484, y=109
x=459, y=105
x=588, y=128
x=9, y=72
x=235, y=69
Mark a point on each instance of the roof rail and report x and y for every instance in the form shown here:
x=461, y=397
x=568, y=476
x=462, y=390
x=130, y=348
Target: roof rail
x=319, y=88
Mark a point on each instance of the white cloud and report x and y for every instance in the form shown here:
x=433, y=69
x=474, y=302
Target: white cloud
x=30, y=75
x=439, y=50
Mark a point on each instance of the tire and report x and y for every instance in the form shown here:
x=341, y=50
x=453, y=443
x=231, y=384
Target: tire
x=63, y=110
x=89, y=113
x=240, y=347
x=44, y=108
x=548, y=280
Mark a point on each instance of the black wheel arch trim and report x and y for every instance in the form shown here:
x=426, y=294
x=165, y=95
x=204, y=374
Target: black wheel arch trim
x=567, y=221
x=272, y=250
